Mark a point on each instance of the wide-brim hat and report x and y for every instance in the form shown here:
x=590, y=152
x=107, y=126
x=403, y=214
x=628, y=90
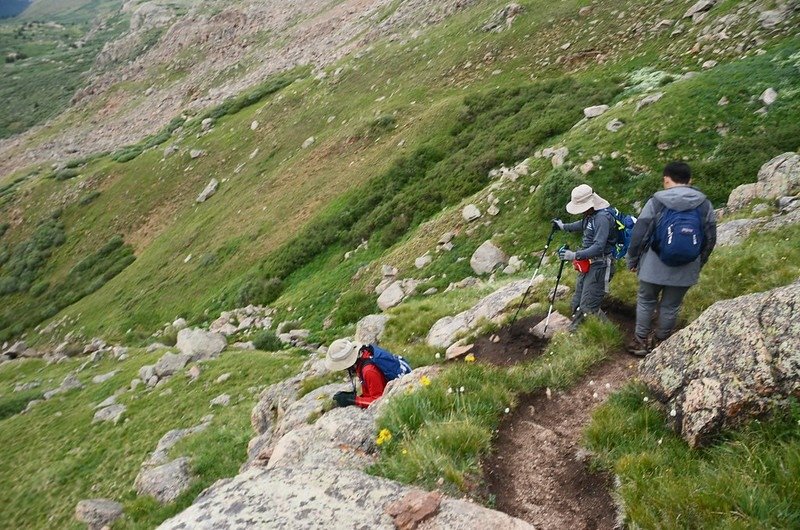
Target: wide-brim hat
x=342, y=354
x=584, y=198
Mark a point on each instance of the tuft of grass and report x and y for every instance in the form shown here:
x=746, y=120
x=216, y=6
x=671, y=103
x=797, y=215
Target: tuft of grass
x=353, y=306
x=751, y=479
x=266, y=340
x=441, y=432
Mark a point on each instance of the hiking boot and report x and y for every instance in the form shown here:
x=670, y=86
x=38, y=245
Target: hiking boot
x=638, y=346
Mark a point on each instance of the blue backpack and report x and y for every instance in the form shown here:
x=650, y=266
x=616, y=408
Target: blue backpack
x=678, y=238
x=624, y=224
x=392, y=366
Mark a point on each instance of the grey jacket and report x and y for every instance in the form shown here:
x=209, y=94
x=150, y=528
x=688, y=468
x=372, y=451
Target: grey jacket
x=598, y=238
x=641, y=256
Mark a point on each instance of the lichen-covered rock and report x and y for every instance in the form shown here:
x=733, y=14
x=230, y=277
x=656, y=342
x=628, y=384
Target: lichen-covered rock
x=170, y=364
x=112, y=413
x=780, y=177
x=738, y=360
x=290, y=497
x=166, y=482
x=370, y=328
x=487, y=258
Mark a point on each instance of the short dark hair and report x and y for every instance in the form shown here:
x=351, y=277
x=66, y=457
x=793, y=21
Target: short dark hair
x=679, y=172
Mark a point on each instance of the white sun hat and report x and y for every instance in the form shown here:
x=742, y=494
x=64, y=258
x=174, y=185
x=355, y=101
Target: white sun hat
x=342, y=354
x=583, y=198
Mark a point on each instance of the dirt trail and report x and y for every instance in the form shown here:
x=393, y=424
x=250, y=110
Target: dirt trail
x=538, y=471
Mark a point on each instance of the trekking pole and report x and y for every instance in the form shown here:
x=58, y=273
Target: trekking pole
x=555, y=292
x=535, y=274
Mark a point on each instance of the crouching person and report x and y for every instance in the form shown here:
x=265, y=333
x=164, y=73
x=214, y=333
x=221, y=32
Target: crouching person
x=594, y=261
x=373, y=366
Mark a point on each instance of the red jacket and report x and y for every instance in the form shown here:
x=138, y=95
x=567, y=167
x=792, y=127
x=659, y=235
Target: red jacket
x=373, y=382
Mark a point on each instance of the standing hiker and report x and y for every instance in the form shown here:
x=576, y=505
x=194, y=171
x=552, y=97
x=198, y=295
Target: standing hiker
x=373, y=366
x=671, y=242
x=594, y=261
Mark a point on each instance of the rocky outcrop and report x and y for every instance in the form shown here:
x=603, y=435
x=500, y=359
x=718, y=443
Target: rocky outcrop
x=780, y=177
x=165, y=483
x=370, y=329
x=112, y=413
x=200, y=344
x=170, y=364
x=70, y=382
x=398, y=291
x=739, y=359
x=98, y=513
x=292, y=497
x=446, y=330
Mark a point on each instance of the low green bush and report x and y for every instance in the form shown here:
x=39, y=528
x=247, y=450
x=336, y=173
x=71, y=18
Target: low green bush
x=259, y=291
x=353, y=306
x=267, y=341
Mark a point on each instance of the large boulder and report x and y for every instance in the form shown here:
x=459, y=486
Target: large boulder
x=323, y=497
x=112, y=413
x=398, y=291
x=98, y=513
x=166, y=482
x=446, y=330
x=739, y=359
x=487, y=258
x=200, y=344
x=370, y=328
x=780, y=177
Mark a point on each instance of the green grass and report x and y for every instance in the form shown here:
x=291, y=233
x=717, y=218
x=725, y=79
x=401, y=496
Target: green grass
x=751, y=479
x=441, y=432
x=55, y=456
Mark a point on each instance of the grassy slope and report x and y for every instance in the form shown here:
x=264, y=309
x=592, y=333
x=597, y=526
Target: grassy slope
x=65, y=458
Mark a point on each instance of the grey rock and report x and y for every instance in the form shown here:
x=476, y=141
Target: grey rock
x=165, y=482
x=70, y=382
x=739, y=359
x=206, y=124
x=595, y=111
x=200, y=344
x=112, y=413
x=196, y=153
x=447, y=237
x=773, y=17
x=769, y=96
x=244, y=345
x=16, y=349
x=224, y=377
x=398, y=291
x=308, y=142
x=370, y=329
x=698, y=8
x=423, y=261
x=487, y=258
x=110, y=400
x=342, y=498
x=777, y=178
x=558, y=322
x=147, y=371
x=170, y=150
x=179, y=324
x=104, y=377
x=208, y=191
x=649, y=100
x=155, y=347
x=24, y=387
x=222, y=400
x=446, y=330
x=503, y=18
x=170, y=364
x=160, y=455
x=559, y=156
x=119, y=351
x=98, y=513
x=735, y=232
x=615, y=125
x=470, y=213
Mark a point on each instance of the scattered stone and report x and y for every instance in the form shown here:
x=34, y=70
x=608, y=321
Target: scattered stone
x=709, y=64
x=200, y=344
x=769, y=96
x=98, y=513
x=155, y=347
x=224, y=377
x=206, y=124
x=194, y=372
x=209, y=190
x=615, y=125
x=723, y=101
x=594, y=112
x=119, y=352
x=309, y=142
x=70, y=382
x=135, y=382
x=170, y=364
x=503, y=18
x=369, y=329
x=737, y=361
x=586, y=168
x=165, y=482
x=773, y=17
x=446, y=238
x=196, y=153
x=431, y=291
x=423, y=261
x=179, y=324
x=107, y=402
x=398, y=291
x=471, y=213
x=16, y=349
x=170, y=150
x=105, y=377
x=514, y=265
x=24, y=387
x=698, y=9
x=457, y=350
x=493, y=210
x=559, y=156
x=649, y=100
x=112, y=413
x=254, y=125
x=777, y=178
x=487, y=258
x=222, y=400
x=558, y=322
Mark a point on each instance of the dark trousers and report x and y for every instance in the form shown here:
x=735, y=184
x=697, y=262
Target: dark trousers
x=590, y=288
x=668, y=306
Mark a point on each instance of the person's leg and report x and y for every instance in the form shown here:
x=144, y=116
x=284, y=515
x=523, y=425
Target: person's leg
x=671, y=301
x=594, y=289
x=646, y=303
x=576, y=298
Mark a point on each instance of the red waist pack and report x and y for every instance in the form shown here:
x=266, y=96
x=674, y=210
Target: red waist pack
x=582, y=265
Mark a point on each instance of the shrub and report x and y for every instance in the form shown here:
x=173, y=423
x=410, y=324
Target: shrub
x=66, y=173
x=259, y=291
x=267, y=341
x=170, y=336
x=554, y=193
x=352, y=306
x=88, y=198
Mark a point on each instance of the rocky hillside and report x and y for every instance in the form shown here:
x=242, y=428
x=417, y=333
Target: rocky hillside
x=281, y=174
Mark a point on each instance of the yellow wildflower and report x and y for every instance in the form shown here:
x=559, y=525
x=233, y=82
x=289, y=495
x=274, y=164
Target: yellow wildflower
x=424, y=380
x=470, y=358
x=384, y=436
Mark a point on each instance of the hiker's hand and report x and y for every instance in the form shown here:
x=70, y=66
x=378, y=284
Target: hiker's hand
x=566, y=254
x=558, y=223
x=344, y=399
